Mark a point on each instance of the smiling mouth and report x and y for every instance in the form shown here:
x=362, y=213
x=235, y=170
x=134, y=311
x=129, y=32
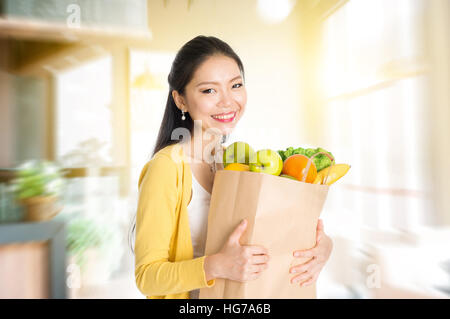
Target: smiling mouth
x=225, y=117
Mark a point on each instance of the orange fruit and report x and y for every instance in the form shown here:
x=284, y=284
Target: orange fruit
x=237, y=167
x=295, y=166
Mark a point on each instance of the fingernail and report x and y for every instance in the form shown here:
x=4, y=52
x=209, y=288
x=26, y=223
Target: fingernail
x=293, y=271
x=297, y=254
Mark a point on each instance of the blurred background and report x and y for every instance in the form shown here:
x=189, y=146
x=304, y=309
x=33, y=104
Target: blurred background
x=83, y=86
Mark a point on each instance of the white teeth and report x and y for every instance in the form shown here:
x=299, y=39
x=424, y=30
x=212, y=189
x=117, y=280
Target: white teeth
x=224, y=117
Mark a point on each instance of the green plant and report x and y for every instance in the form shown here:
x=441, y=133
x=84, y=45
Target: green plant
x=84, y=233
x=37, y=178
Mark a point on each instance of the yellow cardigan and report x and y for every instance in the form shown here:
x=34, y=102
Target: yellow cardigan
x=164, y=263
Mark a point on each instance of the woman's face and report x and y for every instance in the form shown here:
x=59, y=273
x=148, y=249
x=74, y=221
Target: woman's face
x=216, y=94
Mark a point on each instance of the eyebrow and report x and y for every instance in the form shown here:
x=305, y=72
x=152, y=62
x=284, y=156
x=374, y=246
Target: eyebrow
x=212, y=82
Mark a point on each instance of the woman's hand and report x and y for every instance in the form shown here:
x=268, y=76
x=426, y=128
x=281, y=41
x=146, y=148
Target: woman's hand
x=309, y=272
x=240, y=263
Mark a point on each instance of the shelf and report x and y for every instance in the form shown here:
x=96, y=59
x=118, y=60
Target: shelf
x=73, y=172
x=77, y=172
x=36, y=30
x=7, y=174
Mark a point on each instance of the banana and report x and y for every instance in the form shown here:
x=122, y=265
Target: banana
x=337, y=171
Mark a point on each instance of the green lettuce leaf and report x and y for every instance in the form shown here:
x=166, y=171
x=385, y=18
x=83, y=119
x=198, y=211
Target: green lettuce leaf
x=321, y=161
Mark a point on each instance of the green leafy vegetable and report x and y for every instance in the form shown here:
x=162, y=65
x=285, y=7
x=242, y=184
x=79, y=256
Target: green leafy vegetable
x=321, y=161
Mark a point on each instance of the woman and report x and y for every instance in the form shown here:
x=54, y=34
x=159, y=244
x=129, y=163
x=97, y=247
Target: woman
x=207, y=98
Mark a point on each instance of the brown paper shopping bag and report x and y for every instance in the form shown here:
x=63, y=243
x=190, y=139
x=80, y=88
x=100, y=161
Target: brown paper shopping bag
x=282, y=216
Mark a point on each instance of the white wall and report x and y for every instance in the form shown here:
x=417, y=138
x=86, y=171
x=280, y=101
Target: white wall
x=270, y=54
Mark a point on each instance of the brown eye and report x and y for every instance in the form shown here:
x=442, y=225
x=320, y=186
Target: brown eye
x=237, y=85
x=207, y=91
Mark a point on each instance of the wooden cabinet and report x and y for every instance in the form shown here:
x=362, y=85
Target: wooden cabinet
x=24, y=270
x=33, y=260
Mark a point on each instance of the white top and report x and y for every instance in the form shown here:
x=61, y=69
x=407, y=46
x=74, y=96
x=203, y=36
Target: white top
x=198, y=209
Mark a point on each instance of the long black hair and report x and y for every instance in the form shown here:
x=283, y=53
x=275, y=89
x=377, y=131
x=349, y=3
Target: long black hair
x=186, y=62
x=191, y=55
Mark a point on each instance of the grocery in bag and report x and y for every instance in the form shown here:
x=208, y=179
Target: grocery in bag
x=282, y=216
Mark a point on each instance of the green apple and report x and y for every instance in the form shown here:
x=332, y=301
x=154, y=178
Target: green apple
x=267, y=161
x=239, y=152
x=289, y=176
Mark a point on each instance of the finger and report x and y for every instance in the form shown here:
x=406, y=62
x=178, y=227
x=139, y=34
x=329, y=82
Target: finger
x=312, y=271
x=237, y=233
x=298, y=269
x=320, y=230
x=319, y=236
x=260, y=259
x=253, y=276
x=310, y=281
x=306, y=253
x=258, y=250
x=320, y=225
x=301, y=278
x=258, y=268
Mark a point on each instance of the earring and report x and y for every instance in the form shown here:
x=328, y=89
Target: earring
x=183, y=117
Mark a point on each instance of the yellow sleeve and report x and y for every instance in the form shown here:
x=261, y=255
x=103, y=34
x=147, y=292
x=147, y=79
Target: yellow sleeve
x=155, y=226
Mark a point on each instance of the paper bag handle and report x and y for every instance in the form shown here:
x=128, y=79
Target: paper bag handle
x=309, y=164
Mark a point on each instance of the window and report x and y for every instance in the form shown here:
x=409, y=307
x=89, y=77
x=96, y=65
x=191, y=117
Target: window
x=90, y=125
x=84, y=115
x=375, y=77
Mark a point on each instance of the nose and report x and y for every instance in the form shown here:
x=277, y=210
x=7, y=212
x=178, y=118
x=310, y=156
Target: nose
x=226, y=99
